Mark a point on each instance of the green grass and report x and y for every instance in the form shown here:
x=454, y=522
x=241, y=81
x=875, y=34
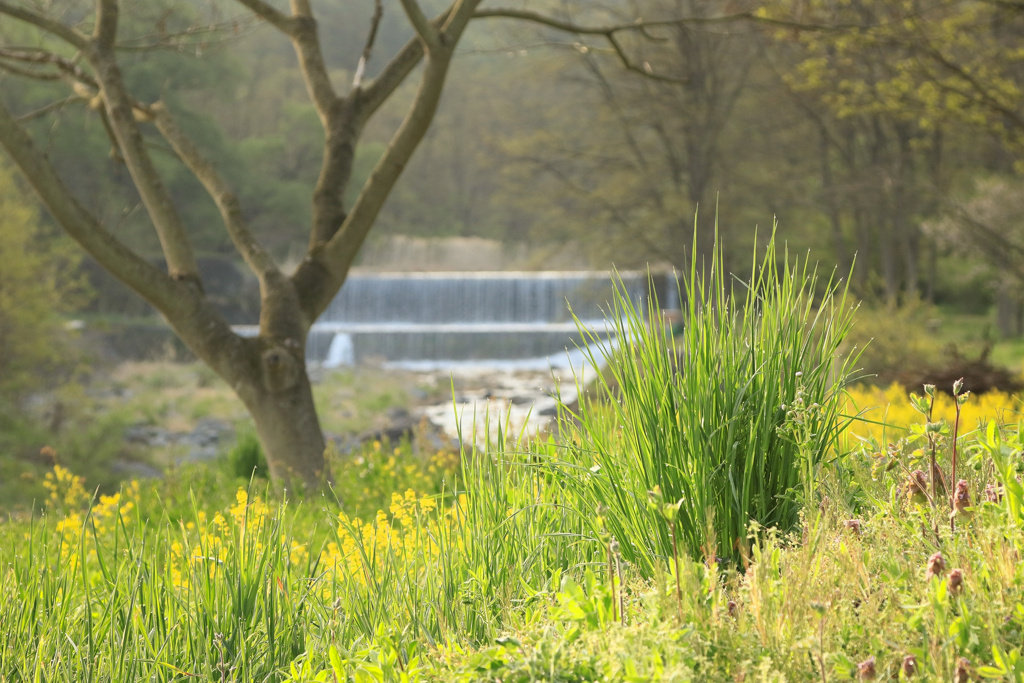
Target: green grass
x=726, y=423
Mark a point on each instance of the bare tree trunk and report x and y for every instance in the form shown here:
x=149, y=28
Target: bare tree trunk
x=1008, y=310
x=832, y=201
x=289, y=430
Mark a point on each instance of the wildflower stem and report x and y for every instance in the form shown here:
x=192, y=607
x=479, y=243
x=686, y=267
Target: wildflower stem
x=952, y=478
x=675, y=561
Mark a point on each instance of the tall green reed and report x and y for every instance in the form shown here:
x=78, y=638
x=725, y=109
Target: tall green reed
x=734, y=417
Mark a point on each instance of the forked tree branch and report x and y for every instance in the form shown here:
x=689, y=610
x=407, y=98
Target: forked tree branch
x=148, y=280
x=428, y=33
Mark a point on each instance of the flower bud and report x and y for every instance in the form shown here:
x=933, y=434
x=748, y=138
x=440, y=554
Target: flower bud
x=936, y=566
x=955, y=582
x=962, y=674
x=866, y=669
x=994, y=493
x=962, y=498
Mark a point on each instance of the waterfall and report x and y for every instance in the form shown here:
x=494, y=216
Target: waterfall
x=441, y=318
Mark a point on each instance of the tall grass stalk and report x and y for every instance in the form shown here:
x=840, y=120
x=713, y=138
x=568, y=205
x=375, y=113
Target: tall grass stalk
x=707, y=418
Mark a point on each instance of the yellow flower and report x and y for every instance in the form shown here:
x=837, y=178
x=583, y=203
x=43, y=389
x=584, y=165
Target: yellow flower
x=298, y=553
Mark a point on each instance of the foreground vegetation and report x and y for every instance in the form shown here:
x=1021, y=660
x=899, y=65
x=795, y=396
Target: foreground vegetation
x=724, y=510
x=502, y=582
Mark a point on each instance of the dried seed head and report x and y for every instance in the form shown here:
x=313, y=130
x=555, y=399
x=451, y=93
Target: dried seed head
x=866, y=669
x=994, y=493
x=936, y=566
x=962, y=674
x=853, y=525
x=962, y=498
x=909, y=667
x=917, y=487
x=956, y=582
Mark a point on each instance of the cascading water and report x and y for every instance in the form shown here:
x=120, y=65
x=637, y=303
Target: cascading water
x=427, y=319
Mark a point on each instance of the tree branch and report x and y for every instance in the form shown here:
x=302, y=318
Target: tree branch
x=227, y=201
x=62, y=64
x=643, y=26
x=27, y=72
x=306, y=40
x=279, y=20
x=44, y=110
x=174, y=242
x=106, y=25
x=609, y=32
x=51, y=26
x=377, y=90
x=378, y=13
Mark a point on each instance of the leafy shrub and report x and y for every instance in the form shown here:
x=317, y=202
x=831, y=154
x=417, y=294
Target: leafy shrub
x=246, y=458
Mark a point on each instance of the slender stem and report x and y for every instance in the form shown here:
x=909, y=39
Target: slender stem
x=952, y=476
x=611, y=578
x=675, y=561
x=821, y=649
x=622, y=592
x=931, y=444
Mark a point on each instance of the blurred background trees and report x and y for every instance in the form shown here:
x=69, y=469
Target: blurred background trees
x=889, y=129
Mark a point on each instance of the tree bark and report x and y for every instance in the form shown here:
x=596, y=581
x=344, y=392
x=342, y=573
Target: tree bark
x=289, y=429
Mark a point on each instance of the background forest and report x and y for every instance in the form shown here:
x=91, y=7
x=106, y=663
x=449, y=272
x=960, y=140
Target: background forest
x=889, y=130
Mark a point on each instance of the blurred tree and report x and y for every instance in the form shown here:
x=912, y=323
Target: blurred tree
x=986, y=223
x=901, y=94
x=635, y=152
x=36, y=286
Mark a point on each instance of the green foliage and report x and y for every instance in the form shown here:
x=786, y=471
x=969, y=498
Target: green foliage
x=246, y=458
x=734, y=418
x=895, y=340
x=36, y=286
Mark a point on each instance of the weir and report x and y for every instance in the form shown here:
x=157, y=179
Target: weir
x=423, y=319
